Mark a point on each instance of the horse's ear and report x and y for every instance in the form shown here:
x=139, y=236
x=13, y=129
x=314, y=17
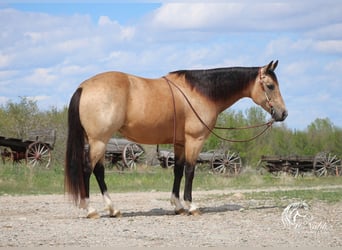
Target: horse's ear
x=271, y=66
x=274, y=65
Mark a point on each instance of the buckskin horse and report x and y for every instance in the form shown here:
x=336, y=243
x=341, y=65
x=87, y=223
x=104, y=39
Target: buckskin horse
x=180, y=108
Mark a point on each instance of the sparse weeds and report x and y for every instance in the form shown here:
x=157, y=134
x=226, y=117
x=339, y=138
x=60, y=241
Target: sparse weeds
x=19, y=179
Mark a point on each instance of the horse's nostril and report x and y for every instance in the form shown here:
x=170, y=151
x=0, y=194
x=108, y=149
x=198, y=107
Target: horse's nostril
x=284, y=114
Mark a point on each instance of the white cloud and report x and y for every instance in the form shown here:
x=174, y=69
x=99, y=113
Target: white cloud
x=329, y=46
x=45, y=56
x=71, y=70
x=297, y=67
x=245, y=16
x=4, y=60
x=330, y=31
x=284, y=45
x=333, y=66
x=41, y=77
x=4, y=100
x=194, y=15
x=36, y=39
x=105, y=20
x=5, y=74
x=120, y=33
x=38, y=98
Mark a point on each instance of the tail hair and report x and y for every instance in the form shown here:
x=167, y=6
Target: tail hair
x=75, y=156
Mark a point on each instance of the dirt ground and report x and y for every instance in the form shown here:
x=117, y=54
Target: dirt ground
x=228, y=219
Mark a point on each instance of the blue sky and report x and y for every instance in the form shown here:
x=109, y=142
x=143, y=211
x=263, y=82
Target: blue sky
x=47, y=50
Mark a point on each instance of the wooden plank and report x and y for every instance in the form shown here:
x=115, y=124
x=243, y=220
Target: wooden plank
x=47, y=136
x=292, y=158
x=116, y=145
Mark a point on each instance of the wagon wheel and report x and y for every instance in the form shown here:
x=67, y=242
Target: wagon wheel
x=162, y=162
x=262, y=167
x=170, y=160
x=6, y=155
x=294, y=171
x=107, y=161
x=111, y=160
x=132, y=155
x=226, y=163
x=38, y=154
x=275, y=169
x=289, y=169
x=327, y=164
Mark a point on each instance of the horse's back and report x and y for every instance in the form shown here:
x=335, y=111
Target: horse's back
x=137, y=107
x=106, y=80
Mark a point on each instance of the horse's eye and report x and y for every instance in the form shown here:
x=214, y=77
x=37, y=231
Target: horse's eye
x=270, y=86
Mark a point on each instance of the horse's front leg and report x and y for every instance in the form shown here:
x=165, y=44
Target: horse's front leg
x=178, y=171
x=189, y=176
x=99, y=173
x=178, y=174
x=193, y=147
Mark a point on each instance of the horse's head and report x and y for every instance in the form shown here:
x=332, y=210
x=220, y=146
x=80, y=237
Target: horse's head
x=266, y=92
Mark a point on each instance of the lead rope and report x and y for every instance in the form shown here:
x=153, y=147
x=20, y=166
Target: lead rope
x=267, y=124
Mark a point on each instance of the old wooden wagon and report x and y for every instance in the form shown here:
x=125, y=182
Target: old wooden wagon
x=123, y=154
x=35, y=151
x=223, y=162
x=322, y=164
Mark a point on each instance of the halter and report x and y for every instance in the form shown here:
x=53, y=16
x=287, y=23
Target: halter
x=263, y=87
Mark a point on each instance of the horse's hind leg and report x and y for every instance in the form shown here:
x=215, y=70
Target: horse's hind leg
x=85, y=201
x=99, y=173
x=93, y=157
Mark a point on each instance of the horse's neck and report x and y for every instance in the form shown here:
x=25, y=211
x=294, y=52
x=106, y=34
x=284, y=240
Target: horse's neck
x=231, y=99
x=223, y=105
x=222, y=86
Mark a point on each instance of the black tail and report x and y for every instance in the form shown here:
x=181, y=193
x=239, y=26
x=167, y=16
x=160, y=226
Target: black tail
x=75, y=162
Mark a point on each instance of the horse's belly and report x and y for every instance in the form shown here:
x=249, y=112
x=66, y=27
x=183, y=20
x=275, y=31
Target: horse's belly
x=148, y=131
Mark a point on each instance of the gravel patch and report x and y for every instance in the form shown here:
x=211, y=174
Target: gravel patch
x=227, y=219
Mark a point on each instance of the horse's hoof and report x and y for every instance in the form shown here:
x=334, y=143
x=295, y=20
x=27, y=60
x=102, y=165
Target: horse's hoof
x=180, y=212
x=93, y=215
x=195, y=212
x=115, y=214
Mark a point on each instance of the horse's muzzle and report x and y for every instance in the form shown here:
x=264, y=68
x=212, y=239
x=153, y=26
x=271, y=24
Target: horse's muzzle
x=279, y=116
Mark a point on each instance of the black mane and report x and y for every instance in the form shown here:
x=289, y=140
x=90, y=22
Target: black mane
x=219, y=84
